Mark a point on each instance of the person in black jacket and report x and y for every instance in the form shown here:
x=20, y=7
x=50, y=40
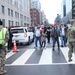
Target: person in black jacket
x=48, y=34
x=10, y=39
x=55, y=33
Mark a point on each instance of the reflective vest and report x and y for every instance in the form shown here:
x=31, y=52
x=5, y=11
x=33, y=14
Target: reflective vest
x=2, y=36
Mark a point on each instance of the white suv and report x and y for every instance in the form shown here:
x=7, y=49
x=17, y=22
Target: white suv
x=22, y=35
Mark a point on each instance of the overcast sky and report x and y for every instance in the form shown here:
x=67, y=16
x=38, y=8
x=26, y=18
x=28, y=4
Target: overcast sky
x=51, y=9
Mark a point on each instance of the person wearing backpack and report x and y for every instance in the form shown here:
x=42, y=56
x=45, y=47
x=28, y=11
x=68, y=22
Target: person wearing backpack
x=38, y=36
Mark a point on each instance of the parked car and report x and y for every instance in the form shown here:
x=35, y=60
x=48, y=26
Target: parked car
x=22, y=35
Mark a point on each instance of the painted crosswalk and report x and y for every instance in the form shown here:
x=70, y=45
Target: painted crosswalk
x=46, y=56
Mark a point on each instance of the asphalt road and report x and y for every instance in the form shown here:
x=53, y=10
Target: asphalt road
x=29, y=61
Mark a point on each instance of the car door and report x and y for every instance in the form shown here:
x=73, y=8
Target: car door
x=31, y=34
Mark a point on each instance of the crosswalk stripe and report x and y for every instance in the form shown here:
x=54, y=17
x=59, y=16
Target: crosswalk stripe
x=65, y=52
x=9, y=54
x=39, y=64
x=46, y=57
x=23, y=58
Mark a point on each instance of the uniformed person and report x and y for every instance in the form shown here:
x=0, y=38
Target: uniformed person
x=4, y=36
x=71, y=39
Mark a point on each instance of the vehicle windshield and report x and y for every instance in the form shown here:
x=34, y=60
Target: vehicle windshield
x=17, y=31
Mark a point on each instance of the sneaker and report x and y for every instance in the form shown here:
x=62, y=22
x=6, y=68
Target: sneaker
x=69, y=60
x=1, y=72
x=4, y=71
x=61, y=45
x=35, y=47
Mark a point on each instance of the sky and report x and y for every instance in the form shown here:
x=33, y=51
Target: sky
x=51, y=9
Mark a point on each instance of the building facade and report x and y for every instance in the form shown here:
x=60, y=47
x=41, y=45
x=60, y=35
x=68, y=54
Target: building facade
x=15, y=12
x=37, y=5
x=35, y=17
x=35, y=12
x=73, y=9
x=42, y=18
x=70, y=10
x=63, y=8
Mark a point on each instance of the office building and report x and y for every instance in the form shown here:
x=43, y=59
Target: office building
x=15, y=12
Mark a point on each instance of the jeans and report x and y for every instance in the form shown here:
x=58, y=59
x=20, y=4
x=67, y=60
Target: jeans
x=54, y=42
x=38, y=39
x=63, y=40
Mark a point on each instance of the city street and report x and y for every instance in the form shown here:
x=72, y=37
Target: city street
x=21, y=21
x=29, y=61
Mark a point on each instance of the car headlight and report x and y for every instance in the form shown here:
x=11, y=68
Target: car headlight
x=25, y=34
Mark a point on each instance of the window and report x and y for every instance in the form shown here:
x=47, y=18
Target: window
x=21, y=16
x=3, y=9
x=3, y=20
x=12, y=13
x=18, y=15
x=17, y=30
x=24, y=17
x=15, y=14
x=25, y=30
x=9, y=22
x=18, y=23
x=8, y=11
x=12, y=23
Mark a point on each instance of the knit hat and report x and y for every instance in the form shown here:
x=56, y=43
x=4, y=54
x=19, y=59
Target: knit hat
x=55, y=24
x=38, y=25
x=1, y=23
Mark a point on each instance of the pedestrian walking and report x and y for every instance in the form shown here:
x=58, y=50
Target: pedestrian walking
x=71, y=39
x=10, y=39
x=38, y=36
x=48, y=34
x=4, y=36
x=63, y=31
x=43, y=38
x=55, y=33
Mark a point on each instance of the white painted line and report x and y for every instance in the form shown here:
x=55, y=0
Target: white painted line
x=41, y=64
x=9, y=54
x=46, y=57
x=73, y=58
x=65, y=52
x=23, y=58
x=60, y=40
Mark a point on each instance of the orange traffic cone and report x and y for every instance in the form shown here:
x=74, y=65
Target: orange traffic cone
x=14, y=46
